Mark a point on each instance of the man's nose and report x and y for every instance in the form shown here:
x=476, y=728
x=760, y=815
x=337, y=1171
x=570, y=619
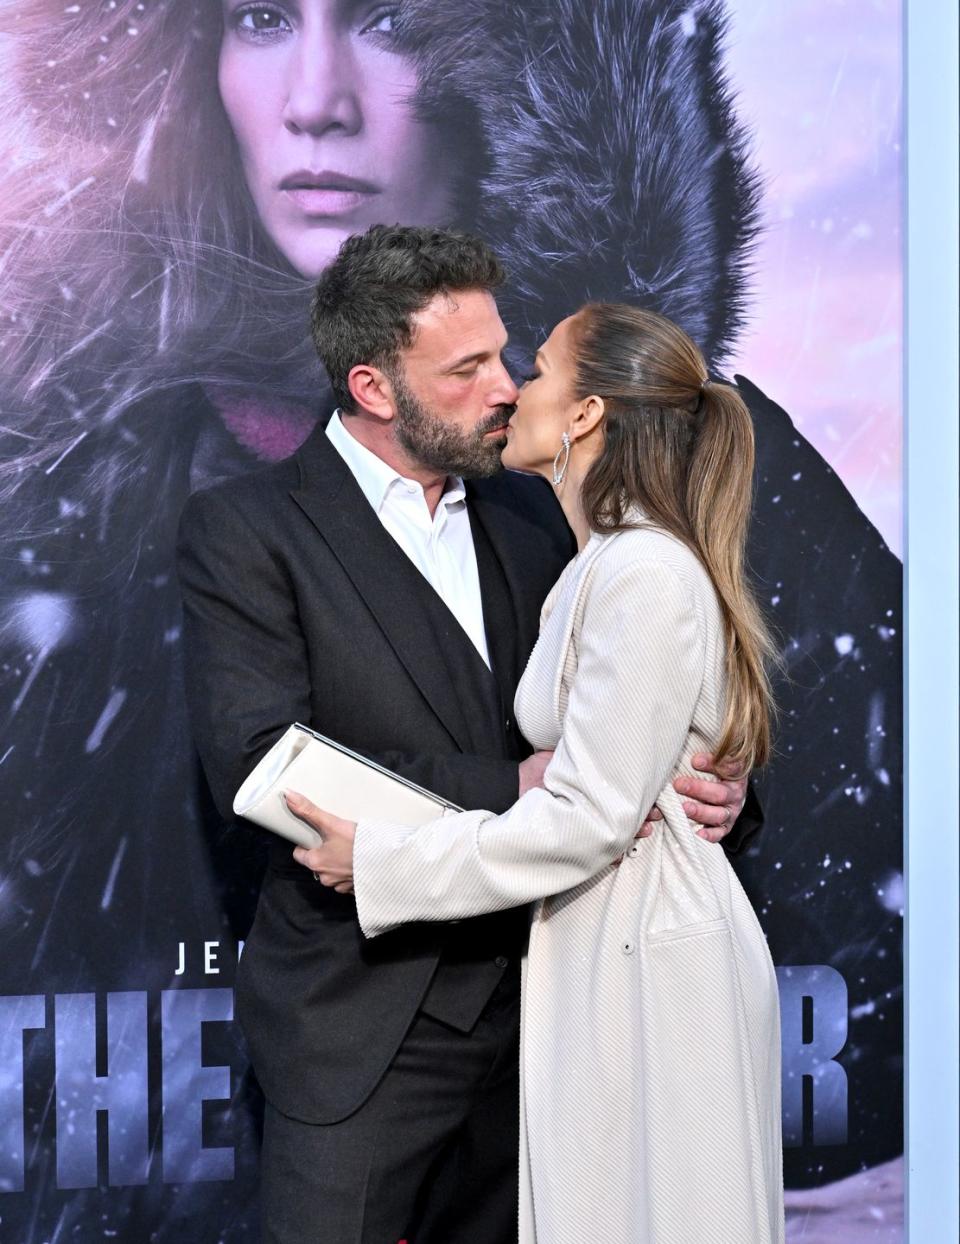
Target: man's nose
x=506, y=391
x=322, y=92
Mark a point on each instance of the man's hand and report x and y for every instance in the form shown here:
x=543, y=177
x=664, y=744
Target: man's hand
x=714, y=805
x=532, y=770
x=332, y=862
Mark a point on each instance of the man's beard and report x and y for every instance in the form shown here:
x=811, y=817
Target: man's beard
x=440, y=446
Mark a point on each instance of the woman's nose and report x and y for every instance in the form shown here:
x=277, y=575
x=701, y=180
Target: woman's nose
x=322, y=90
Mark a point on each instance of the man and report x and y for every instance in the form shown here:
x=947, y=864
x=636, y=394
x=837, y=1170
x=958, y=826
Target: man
x=363, y=588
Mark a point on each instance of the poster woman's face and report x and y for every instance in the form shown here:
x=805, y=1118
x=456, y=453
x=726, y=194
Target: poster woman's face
x=316, y=94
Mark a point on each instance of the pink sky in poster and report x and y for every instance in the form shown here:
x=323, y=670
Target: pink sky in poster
x=820, y=85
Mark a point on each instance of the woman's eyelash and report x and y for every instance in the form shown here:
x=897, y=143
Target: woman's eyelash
x=534, y=375
x=243, y=19
x=392, y=12
x=252, y=11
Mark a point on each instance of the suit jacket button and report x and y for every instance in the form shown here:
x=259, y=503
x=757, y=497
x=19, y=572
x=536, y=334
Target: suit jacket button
x=634, y=851
x=501, y=961
x=628, y=947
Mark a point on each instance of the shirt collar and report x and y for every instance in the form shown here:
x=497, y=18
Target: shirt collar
x=376, y=477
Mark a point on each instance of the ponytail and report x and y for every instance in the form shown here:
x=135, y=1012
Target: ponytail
x=718, y=500
x=680, y=447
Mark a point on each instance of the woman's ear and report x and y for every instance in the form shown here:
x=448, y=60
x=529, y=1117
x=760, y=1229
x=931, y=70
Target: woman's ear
x=589, y=416
x=371, y=391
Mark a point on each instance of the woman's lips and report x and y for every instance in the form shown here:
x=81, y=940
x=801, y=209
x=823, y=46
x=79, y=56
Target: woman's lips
x=316, y=201
x=326, y=193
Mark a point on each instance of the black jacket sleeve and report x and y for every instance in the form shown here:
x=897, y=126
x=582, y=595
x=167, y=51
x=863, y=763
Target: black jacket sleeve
x=747, y=824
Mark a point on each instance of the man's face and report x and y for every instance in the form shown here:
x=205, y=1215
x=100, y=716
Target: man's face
x=452, y=394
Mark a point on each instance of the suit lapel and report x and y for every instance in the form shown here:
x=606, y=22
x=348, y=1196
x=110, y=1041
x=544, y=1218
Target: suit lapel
x=521, y=548
x=379, y=570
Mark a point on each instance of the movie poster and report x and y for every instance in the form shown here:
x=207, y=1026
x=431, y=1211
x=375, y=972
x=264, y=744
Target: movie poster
x=726, y=164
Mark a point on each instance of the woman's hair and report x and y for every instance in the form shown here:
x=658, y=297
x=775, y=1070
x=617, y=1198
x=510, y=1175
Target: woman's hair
x=680, y=447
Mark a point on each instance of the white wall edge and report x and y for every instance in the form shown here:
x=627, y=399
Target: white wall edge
x=932, y=363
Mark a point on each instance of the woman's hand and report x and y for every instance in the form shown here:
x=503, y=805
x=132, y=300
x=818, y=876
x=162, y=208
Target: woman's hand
x=332, y=862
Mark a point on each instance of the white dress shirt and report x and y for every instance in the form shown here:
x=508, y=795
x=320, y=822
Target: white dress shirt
x=440, y=547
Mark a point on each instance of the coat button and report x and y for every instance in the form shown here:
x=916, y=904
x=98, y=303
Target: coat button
x=501, y=961
x=628, y=947
x=634, y=850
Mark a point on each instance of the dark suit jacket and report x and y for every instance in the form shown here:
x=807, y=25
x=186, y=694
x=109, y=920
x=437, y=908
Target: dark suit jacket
x=299, y=606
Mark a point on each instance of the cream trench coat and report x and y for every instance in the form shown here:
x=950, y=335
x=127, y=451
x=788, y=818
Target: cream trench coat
x=650, y=1051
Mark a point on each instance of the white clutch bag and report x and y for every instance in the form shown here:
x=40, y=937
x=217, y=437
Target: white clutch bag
x=335, y=779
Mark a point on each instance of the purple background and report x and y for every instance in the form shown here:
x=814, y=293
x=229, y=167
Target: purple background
x=820, y=85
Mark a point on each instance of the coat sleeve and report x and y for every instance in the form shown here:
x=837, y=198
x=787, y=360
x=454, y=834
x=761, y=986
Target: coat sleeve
x=641, y=661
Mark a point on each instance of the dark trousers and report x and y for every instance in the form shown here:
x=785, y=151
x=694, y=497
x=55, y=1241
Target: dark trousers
x=431, y=1156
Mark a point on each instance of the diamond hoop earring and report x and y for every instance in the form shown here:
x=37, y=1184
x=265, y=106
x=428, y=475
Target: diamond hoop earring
x=560, y=469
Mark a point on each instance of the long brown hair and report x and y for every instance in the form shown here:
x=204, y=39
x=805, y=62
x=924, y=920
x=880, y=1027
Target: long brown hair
x=680, y=447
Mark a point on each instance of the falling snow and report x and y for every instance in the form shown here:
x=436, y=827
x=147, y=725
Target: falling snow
x=105, y=720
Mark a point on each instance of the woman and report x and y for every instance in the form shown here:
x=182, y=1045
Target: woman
x=651, y=648
x=153, y=308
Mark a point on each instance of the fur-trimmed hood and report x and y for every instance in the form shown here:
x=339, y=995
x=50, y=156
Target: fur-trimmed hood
x=613, y=165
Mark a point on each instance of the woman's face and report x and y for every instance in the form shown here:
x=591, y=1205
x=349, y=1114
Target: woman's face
x=545, y=409
x=316, y=95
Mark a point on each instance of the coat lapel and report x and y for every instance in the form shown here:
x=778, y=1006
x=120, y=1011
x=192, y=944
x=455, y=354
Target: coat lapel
x=379, y=570
x=554, y=650
x=523, y=551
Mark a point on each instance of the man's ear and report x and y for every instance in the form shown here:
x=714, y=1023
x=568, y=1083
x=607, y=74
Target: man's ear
x=589, y=416
x=371, y=391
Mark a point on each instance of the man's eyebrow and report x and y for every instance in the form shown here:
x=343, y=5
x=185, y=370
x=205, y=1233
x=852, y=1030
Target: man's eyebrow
x=467, y=358
x=470, y=358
